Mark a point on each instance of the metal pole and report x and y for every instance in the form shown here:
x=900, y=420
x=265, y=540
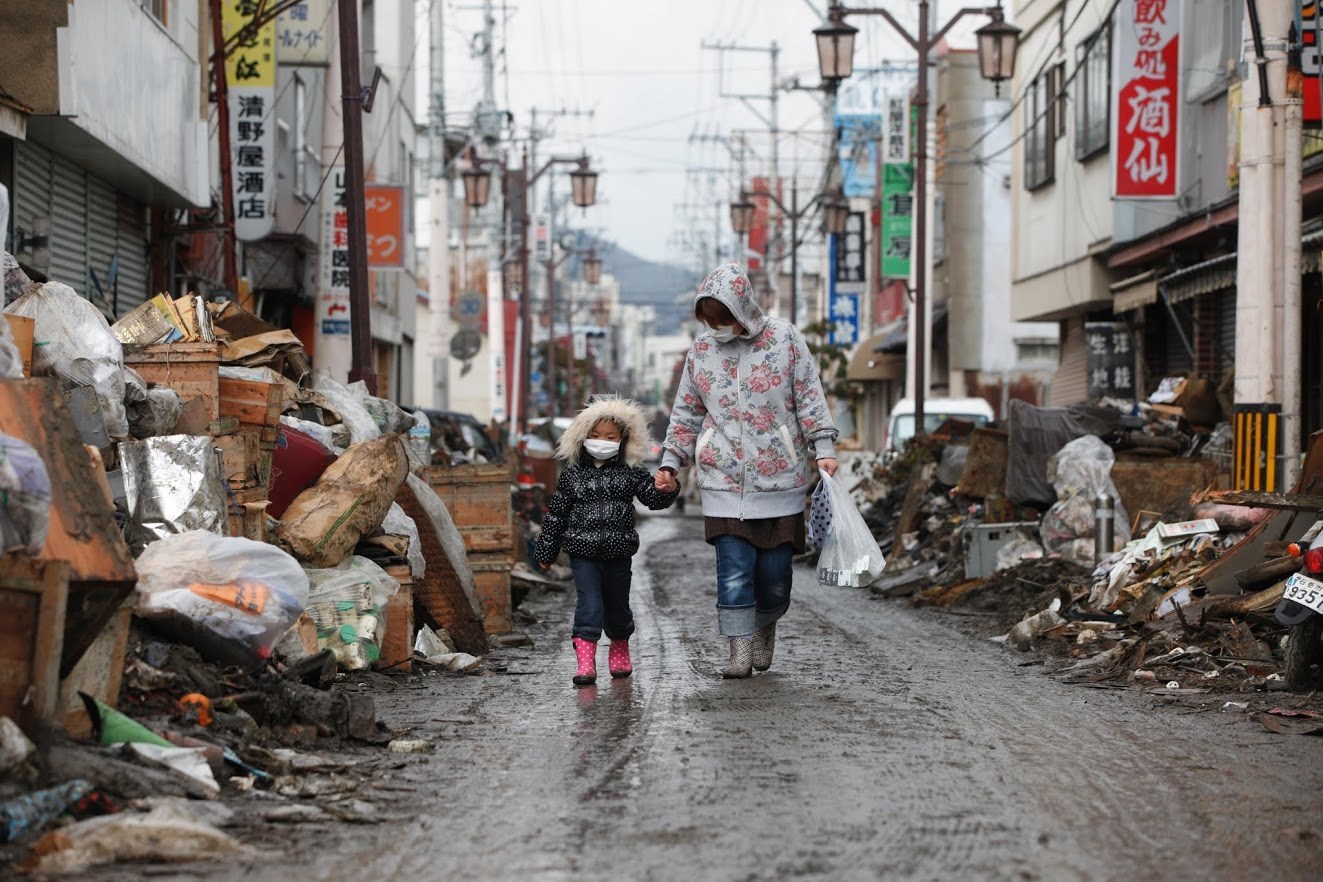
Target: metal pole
x=571, y=398
x=794, y=247
x=1291, y=296
x=549, y=268
x=921, y=224
x=1104, y=524
x=228, y=243
x=525, y=291
x=352, y=94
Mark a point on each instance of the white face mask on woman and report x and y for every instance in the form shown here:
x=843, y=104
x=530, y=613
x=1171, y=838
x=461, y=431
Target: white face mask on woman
x=601, y=450
x=723, y=335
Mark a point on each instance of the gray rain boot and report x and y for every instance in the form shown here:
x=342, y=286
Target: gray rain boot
x=740, y=665
x=764, y=641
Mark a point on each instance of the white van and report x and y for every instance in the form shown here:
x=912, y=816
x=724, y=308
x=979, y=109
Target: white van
x=900, y=425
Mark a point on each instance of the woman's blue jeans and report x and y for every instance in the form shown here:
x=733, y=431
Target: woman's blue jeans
x=602, y=588
x=753, y=585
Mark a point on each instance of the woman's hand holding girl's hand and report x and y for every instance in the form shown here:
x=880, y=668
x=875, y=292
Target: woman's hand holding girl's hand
x=665, y=481
x=828, y=465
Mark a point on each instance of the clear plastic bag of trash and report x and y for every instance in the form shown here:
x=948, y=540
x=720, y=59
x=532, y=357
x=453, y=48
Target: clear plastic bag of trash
x=1020, y=547
x=25, y=497
x=1080, y=472
x=347, y=603
x=232, y=599
x=418, y=442
x=72, y=341
x=850, y=557
x=397, y=523
x=152, y=410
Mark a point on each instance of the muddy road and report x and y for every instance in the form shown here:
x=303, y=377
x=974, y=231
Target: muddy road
x=883, y=744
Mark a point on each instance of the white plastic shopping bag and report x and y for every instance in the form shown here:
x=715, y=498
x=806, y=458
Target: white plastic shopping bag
x=850, y=556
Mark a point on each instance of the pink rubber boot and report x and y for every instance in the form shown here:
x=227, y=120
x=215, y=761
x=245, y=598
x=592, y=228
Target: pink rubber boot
x=617, y=659
x=585, y=652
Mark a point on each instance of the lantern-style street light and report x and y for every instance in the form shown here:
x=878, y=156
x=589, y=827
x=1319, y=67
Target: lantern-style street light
x=741, y=221
x=583, y=185
x=997, y=42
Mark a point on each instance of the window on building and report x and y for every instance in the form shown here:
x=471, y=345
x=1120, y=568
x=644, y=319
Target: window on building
x=305, y=164
x=1040, y=122
x=156, y=7
x=1093, y=94
x=1212, y=46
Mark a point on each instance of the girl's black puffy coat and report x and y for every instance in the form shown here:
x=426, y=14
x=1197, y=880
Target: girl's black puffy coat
x=591, y=514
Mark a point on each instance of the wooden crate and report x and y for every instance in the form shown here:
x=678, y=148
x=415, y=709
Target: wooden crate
x=255, y=403
x=491, y=578
x=191, y=369
x=397, y=647
x=99, y=673
x=242, y=458
x=478, y=499
x=248, y=520
x=33, y=600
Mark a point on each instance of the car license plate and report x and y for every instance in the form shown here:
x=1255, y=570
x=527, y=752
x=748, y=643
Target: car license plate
x=1304, y=591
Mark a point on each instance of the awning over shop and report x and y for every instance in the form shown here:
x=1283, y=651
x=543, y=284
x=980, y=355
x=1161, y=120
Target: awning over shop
x=1134, y=292
x=868, y=365
x=1204, y=277
x=893, y=337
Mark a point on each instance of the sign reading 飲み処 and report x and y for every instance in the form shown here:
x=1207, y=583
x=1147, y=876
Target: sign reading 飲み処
x=1146, y=99
x=250, y=76
x=1109, y=360
x=333, y=286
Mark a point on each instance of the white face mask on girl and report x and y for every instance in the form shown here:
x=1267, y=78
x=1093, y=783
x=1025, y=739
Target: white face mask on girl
x=723, y=335
x=601, y=450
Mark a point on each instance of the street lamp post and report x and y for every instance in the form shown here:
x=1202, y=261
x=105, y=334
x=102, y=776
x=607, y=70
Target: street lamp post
x=997, y=43
x=741, y=220
x=477, y=186
x=592, y=274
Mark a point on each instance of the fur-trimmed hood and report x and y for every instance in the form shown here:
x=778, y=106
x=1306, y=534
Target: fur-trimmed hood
x=625, y=413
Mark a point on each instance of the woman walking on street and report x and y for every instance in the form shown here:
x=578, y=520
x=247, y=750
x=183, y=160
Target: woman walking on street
x=749, y=410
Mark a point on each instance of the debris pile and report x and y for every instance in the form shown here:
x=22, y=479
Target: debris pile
x=204, y=539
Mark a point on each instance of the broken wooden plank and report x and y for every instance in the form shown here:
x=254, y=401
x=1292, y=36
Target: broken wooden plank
x=82, y=529
x=33, y=603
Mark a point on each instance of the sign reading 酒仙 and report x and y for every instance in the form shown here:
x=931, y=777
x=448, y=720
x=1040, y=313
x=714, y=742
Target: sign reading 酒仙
x=1146, y=100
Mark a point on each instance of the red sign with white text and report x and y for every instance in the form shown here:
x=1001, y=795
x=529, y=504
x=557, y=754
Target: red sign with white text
x=385, y=226
x=1146, y=100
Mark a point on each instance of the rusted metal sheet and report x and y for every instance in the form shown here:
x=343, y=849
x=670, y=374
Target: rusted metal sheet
x=82, y=526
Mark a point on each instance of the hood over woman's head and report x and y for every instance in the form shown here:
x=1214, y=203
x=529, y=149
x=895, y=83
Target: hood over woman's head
x=730, y=288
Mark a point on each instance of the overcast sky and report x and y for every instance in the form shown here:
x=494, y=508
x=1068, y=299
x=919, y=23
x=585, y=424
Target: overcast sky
x=655, y=97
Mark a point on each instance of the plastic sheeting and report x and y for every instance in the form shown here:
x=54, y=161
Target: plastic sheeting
x=1080, y=472
x=72, y=341
x=173, y=484
x=1036, y=433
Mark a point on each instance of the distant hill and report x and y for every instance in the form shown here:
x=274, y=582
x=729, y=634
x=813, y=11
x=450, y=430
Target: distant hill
x=667, y=288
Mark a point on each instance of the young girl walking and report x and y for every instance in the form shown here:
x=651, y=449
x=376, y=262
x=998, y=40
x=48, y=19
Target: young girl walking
x=591, y=517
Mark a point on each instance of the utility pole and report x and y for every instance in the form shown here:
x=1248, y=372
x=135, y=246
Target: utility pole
x=1268, y=245
x=438, y=193
x=771, y=119
x=353, y=97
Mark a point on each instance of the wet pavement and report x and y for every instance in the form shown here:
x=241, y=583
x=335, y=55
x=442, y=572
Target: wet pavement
x=883, y=744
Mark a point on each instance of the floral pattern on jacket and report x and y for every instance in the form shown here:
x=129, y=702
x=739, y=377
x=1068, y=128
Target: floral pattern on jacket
x=748, y=411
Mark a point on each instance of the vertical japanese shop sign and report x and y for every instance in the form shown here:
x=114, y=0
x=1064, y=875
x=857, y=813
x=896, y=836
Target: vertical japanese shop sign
x=385, y=226
x=1309, y=25
x=847, y=281
x=897, y=189
x=1110, y=360
x=333, y=296
x=301, y=33
x=1146, y=100
x=859, y=122
x=250, y=75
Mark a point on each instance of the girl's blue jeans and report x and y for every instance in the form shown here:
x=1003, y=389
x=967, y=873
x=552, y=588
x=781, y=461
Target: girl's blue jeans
x=602, y=605
x=753, y=585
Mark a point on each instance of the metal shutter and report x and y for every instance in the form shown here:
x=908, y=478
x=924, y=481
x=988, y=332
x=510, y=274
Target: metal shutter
x=133, y=241
x=1224, y=333
x=32, y=185
x=102, y=244
x=1070, y=384
x=69, y=225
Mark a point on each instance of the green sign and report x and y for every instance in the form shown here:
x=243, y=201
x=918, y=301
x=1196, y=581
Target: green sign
x=897, y=219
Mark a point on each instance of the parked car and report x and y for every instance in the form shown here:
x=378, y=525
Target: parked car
x=900, y=425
